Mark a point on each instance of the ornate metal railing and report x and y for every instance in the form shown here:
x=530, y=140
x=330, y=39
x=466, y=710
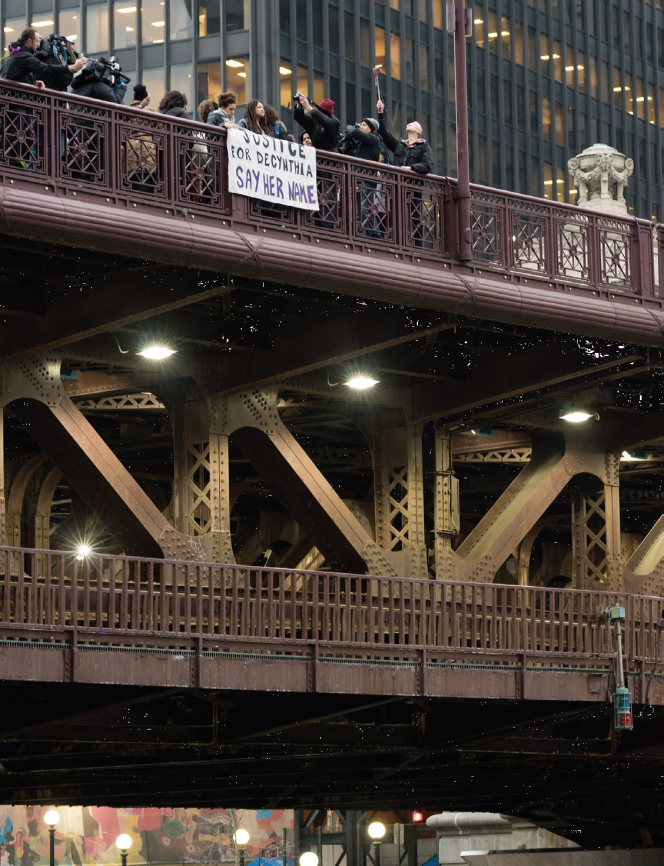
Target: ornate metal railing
x=140, y=159
x=119, y=599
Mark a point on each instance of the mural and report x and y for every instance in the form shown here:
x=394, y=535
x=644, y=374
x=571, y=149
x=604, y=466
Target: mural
x=86, y=835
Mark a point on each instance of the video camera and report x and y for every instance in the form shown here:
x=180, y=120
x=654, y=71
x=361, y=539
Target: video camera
x=347, y=144
x=101, y=70
x=57, y=50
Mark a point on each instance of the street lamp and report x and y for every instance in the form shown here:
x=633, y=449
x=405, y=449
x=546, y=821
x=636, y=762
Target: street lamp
x=308, y=858
x=241, y=838
x=51, y=818
x=124, y=844
x=376, y=832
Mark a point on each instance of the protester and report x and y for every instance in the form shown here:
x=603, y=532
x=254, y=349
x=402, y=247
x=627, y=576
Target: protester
x=413, y=152
x=320, y=123
x=174, y=103
x=254, y=118
x=141, y=97
x=305, y=139
x=367, y=140
x=87, y=83
x=224, y=115
x=206, y=108
x=276, y=126
x=24, y=67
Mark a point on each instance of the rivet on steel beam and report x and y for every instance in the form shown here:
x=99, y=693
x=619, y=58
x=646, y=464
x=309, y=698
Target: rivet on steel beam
x=479, y=272
x=132, y=205
x=550, y=285
x=264, y=231
x=294, y=235
x=368, y=250
x=46, y=188
x=108, y=199
x=345, y=245
x=317, y=240
x=167, y=211
x=11, y=181
x=193, y=216
x=418, y=260
x=75, y=194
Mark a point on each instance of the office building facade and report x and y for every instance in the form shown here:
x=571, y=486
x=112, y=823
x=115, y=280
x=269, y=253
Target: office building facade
x=547, y=78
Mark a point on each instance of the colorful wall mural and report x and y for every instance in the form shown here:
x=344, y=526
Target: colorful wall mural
x=86, y=835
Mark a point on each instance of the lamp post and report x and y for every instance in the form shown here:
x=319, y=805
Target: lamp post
x=241, y=838
x=376, y=832
x=51, y=818
x=124, y=844
x=308, y=858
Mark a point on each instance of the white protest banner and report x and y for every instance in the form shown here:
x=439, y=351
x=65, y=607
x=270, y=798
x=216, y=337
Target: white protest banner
x=271, y=169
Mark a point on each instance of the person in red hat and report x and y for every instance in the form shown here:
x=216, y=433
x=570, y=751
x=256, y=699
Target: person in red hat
x=320, y=123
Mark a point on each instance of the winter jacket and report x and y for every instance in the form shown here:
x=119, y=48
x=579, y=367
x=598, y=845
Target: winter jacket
x=417, y=155
x=368, y=144
x=323, y=129
x=219, y=117
x=279, y=130
x=177, y=111
x=25, y=67
x=100, y=90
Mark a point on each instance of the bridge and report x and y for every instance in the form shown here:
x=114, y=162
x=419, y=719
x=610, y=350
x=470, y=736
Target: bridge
x=295, y=594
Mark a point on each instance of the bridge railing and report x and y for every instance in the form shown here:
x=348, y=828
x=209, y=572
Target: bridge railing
x=137, y=159
x=120, y=598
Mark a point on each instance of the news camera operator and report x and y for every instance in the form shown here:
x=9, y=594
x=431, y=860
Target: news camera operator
x=57, y=51
x=320, y=123
x=101, y=79
x=25, y=67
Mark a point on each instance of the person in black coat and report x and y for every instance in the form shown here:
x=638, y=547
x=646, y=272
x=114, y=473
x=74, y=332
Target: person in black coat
x=413, y=152
x=25, y=67
x=320, y=123
x=367, y=138
x=87, y=84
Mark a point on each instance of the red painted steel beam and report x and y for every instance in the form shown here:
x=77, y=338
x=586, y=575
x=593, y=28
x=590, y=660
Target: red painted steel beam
x=203, y=244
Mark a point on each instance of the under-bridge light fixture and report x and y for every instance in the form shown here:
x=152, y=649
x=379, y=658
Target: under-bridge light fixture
x=156, y=352
x=308, y=858
x=633, y=456
x=376, y=831
x=575, y=414
x=241, y=836
x=358, y=382
x=83, y=551
x=51, y=817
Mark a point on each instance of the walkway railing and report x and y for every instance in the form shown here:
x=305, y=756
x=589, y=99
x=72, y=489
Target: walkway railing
x=46, y=593
x=132, y=158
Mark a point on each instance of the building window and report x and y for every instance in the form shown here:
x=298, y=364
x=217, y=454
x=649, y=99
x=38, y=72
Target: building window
x=285, y=78
x=13, y=27
x=409, y=63
x=124, y=24
x=424, y=66
x=492, y=35
x=380, y=48
x=153, y=79
x=152, y=21
x=349, y=35
x=208, y=81
x=319, y=87
x=209, y=17
x=68, y=24
x=333, y=22
x=181, y=25
x=237, y=14
x=303, y=80
x=519, y=50
x=505, y=35
x=365, y=43
x=546, y=118
x=182, y=79
x=43, y=23
x=301, y=19
x=284, y=16
x=395, y=56
x=96, y=29
x=317, y=22
x=438, y=14
x=238, y=77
